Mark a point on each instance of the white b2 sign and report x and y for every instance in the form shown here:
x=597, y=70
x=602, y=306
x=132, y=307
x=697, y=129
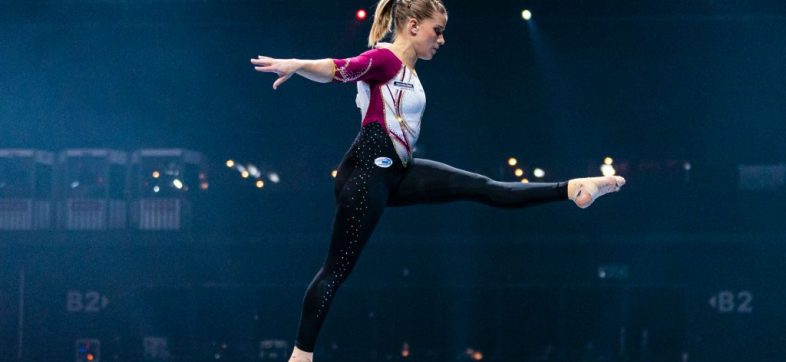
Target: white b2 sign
x=85, y=302
x=727, y=301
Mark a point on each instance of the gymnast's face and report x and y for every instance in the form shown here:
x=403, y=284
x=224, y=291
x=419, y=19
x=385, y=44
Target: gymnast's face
x=427, y=35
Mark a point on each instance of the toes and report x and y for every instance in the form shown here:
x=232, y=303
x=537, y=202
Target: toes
x=613, y=183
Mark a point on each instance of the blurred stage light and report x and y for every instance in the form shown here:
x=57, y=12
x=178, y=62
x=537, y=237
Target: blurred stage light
x=526, y=14
x=75, y=184
x=273, y=177
x=156, y=189
x=539, y=173
x=177, y=183
x=334, y=173
x=686, y=166
x=405, y=353
x=608, y=161
x=518, y=172
x=156, y=174
x=230, y=163
x=512, y=161
x=361, y=15
x=608, y=170
x=253, y=171
x=204, y=185
x=88, y=350
x=474, y=354
x=260, y=184
x=244, y=174
x=524, y=181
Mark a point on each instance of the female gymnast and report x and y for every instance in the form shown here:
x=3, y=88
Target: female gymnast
x=379, y=169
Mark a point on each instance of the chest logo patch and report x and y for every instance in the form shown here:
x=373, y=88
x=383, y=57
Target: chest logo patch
x=383, y=162
x=403, y=85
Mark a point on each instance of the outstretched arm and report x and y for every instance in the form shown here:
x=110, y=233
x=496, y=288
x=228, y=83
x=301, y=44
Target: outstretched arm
x=320, y=70
x=375, y=65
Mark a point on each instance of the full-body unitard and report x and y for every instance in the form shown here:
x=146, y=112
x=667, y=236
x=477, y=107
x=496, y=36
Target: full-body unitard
x=379, y=171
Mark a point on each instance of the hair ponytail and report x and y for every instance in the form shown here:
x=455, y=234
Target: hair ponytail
x=383, y=18
x=392, y=13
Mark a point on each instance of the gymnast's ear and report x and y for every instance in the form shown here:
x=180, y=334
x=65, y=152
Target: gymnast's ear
x=413, y=26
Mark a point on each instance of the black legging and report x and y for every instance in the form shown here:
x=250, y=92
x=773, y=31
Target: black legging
x=363, y=189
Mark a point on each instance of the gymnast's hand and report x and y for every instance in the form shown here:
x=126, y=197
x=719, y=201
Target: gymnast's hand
x=320, y=70
x=284, y=68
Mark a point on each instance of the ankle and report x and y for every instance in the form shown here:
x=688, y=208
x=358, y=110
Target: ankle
x=574, y=185
x=299, y=355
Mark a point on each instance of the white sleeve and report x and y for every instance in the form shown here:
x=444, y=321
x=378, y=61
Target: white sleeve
x=363, y=98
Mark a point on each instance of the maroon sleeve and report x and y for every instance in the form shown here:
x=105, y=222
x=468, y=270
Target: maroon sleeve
x=373, y=66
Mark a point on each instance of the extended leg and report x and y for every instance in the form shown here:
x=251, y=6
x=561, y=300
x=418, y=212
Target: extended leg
x=362, y=190
x=429, y=181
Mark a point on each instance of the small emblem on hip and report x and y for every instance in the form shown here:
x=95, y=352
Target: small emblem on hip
x=383, y=162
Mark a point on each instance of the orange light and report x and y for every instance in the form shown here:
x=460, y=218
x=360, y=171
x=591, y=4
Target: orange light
x=156, y=174
x=334, y=173
x=90, y=357
x=512, y=161
x=519, y=172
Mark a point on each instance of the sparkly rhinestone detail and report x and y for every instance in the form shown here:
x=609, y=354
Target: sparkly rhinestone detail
x=368, y=147
x=344, y=75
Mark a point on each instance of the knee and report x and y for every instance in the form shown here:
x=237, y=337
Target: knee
x=497, y=193
x=329, y=280
x=325, y=284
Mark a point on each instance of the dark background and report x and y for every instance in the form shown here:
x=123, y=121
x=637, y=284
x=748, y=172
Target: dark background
x=653, y=84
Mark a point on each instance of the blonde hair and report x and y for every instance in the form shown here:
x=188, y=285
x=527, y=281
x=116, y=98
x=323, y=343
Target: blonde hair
x=383, y=16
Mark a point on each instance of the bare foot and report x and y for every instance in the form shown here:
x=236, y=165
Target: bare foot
x=584, y=191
